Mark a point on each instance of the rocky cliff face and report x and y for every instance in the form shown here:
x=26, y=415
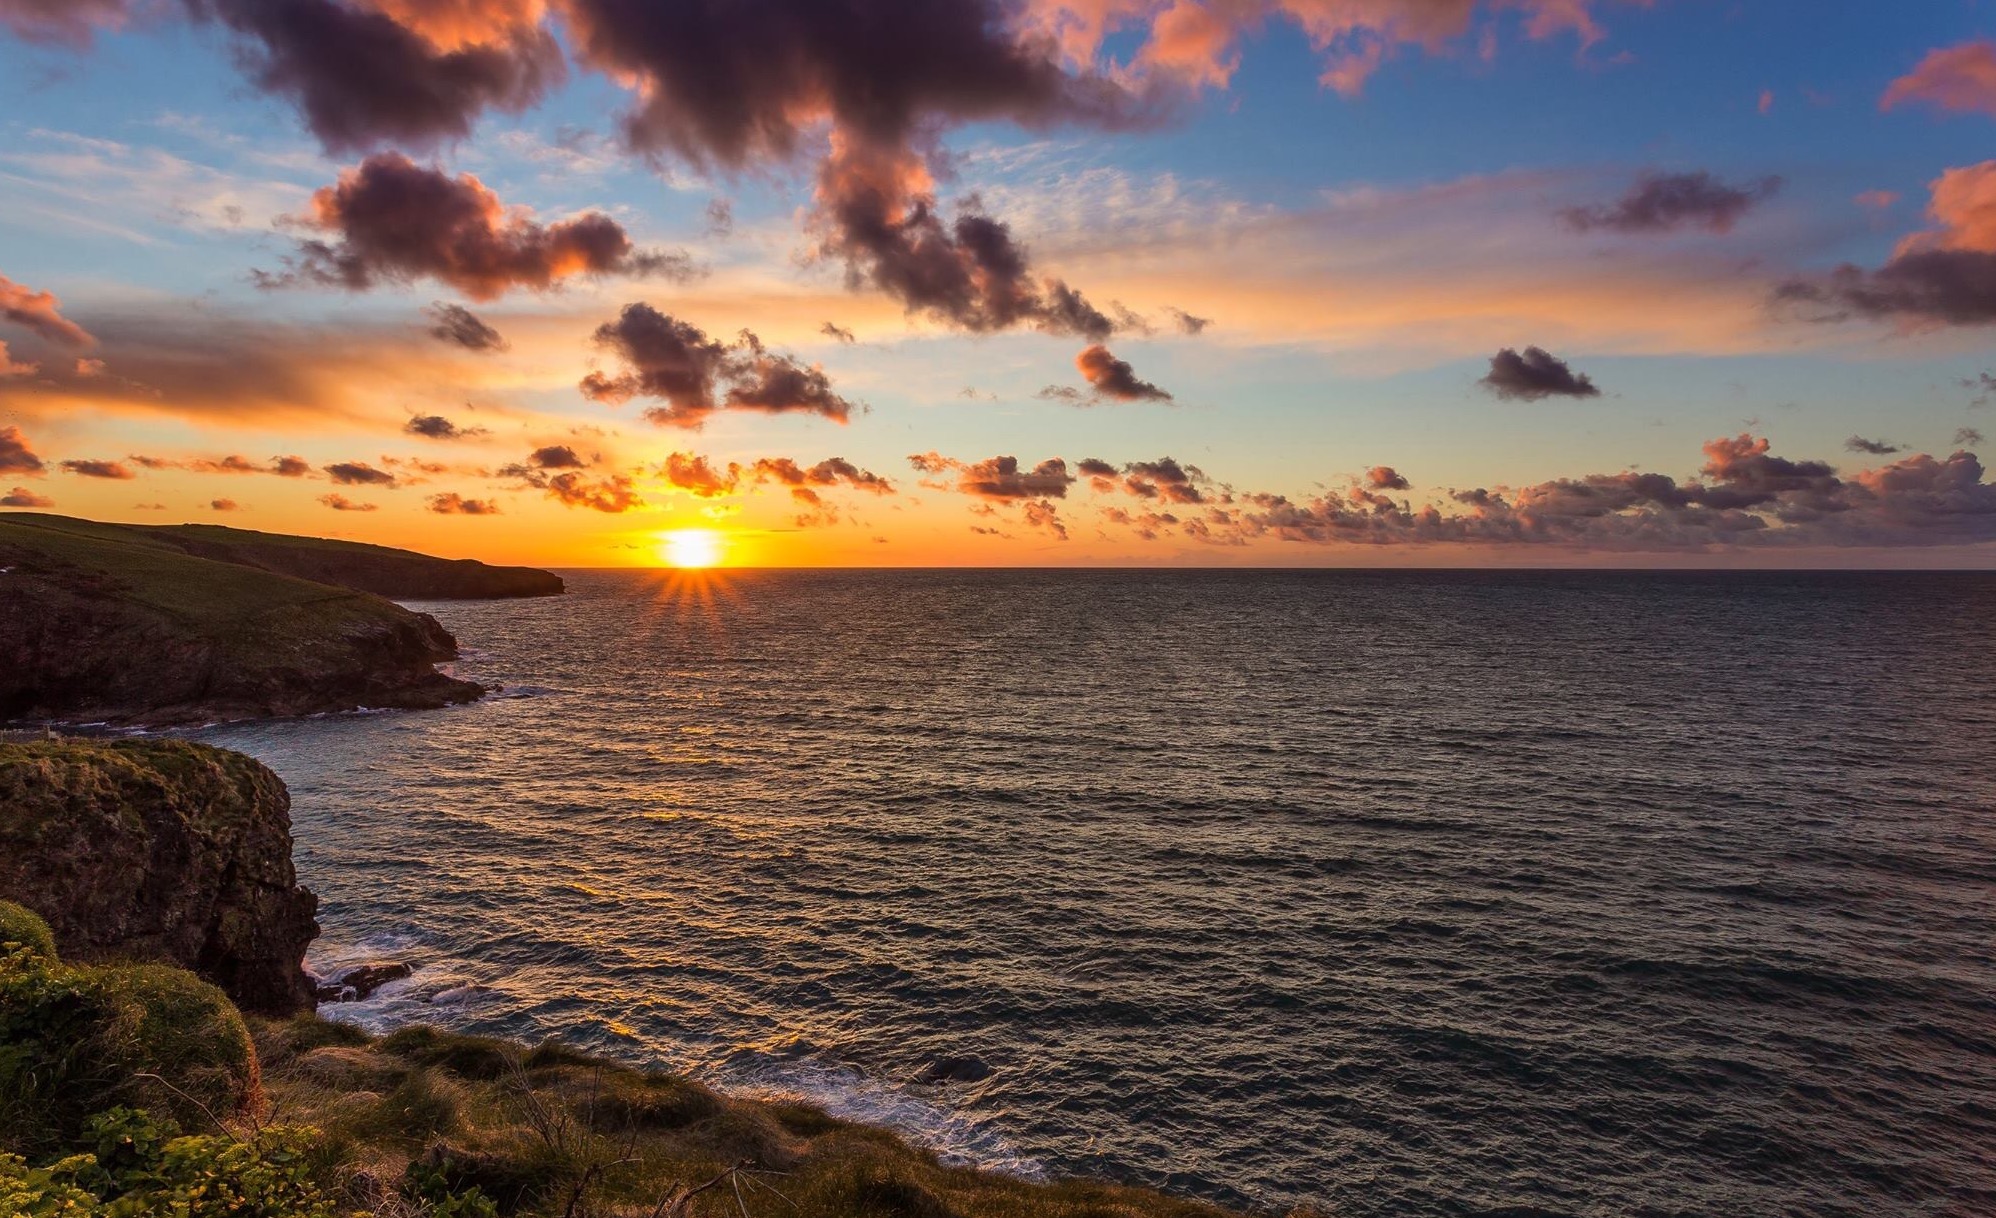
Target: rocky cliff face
x=160, y=850
x=99, y=630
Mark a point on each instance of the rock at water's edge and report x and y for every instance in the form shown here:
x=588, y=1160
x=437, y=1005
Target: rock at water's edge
x=160, y=850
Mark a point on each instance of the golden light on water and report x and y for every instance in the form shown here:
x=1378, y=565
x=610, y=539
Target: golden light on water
x=691, y=549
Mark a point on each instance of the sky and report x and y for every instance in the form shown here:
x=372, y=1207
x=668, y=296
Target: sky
x=1010, y=282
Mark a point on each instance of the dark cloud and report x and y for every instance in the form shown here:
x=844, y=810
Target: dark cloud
x=340, y=503
x=356, y=473
x=1000, y=477
x=460, y=327
x=362, y=79
x=1095, y=467
x=223, y=505
x=450, y=503
x=1662, y=203
x=556, y=456
x=675, y=362
x=99, y=469
x=1950, y=286
x=833, y=330
x=290, y=467
x=877, y=214
x=1744, y=496
x=15, y=456
x=1386, y=478
x=1877, y=448
x=394, y=221
x=41, y=313
x=1164, y=479
x=1535, y=376
x=22, y=497
x=1114, y=378
x=1967, y=437
x=1187, y=323
x=740, y=83
x=437, y=427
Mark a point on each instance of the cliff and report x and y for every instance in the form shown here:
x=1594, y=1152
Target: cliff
x=396, y=574
x=100, y=625
x=160, y=850
x=173, y=851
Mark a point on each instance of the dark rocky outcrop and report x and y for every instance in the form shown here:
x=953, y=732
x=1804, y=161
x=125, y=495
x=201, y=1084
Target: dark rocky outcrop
x=160, y=850
x=360, y=982
x=95, y=626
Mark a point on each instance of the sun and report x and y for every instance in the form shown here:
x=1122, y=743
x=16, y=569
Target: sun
x=690, y=549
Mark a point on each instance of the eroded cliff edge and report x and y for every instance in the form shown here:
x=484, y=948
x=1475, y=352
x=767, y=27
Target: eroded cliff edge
x=101, y=623
x=160, y=850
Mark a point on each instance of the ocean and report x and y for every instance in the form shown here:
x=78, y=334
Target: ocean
x=1410, y=893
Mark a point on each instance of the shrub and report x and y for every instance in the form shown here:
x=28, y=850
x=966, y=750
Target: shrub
x=22, y=929
x=144, y=1166
x=77, y=1041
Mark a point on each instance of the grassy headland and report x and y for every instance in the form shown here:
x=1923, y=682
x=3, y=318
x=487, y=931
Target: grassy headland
x=109, y=622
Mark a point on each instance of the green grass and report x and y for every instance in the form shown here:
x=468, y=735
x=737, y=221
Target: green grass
x=213, y=597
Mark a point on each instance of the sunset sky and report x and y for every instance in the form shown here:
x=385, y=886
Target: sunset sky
x=1010, y=282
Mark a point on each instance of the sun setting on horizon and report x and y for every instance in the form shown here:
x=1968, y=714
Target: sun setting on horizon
x=691, y=549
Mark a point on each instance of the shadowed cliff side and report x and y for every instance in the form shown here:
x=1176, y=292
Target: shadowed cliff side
x=98, y=626
x=160, y=850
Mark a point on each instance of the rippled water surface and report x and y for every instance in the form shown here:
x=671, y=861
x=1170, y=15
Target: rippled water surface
x=1399, y=894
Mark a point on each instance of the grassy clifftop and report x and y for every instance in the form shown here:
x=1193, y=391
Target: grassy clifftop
x=397, y=574
x=419, y=1124
x=103, y=622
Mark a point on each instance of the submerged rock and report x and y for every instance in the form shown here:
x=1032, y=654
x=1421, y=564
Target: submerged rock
x=361, y=981
x=160, y=850
x=956, y=1069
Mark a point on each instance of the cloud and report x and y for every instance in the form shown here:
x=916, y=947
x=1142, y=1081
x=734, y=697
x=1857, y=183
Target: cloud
x=1000, y=478
x=1041, y=514
x=556, y=456
x=1187, y=323
x=838, y=333
x=450, y=503
x=1663, y=203
x=358, y=473
x=1114, y=378
x=22, y=497
x=460, y=327
x=15, y=456
x=876, y=212
x=8, y=368
x=1959, y=78
x=1967, y=437
x=223, y=505
x=99, y=469
x=696, y=476
x=361, y=78
x=395, y=221
x=70, y=22
x=437, y=427
x=340, y=503
x=1386, y=478
x=1945, y=275
x=675, y=362
x=1744, y=496
x=610, y=494
x=1876, y=448
x=290, y=467
x=1164, y=479
x=831, y=472
x=1534, y=376
x=41, y=313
